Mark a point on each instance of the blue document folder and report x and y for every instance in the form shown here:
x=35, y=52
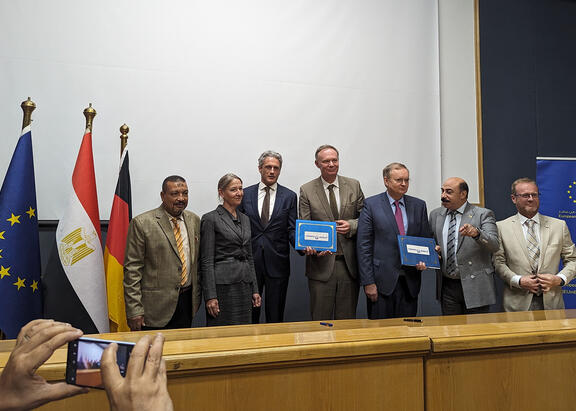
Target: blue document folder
x=320, y=235
x=416, y=249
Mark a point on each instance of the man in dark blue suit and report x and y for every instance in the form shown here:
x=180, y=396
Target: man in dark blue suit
x=391, y=288
x=272, y=211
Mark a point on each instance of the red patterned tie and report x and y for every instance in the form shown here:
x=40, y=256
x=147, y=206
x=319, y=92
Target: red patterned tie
x=399, y=219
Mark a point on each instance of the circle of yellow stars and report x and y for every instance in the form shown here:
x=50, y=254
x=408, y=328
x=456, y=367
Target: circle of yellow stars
x=571, y=195
x=5, y=271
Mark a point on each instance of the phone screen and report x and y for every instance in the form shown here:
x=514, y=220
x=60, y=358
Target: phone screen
x=84, y=356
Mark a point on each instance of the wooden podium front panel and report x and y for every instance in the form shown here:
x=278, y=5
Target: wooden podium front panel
x=378, y=384
x=520, y=365
x=527, y=379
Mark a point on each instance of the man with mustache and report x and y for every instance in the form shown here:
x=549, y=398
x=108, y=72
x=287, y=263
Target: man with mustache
x=467, y=236
x=161, y=287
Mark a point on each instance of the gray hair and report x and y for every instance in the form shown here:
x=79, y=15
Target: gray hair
x=392, y=166
x=226, y=180
x=325, y=147
x=269, y=153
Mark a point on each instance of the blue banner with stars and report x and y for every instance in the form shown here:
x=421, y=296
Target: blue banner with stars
x=20, y=290
x=556, y=179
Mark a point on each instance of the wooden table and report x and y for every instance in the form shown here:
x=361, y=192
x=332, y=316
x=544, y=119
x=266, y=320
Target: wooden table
x=496, y=361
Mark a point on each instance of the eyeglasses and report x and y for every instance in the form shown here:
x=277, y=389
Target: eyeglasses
x=401, y=180
x=526, y=196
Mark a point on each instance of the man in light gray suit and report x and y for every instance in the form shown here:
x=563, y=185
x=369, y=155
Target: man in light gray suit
x=532, y=246
x=332, y=277
x=161, y=287
x=467, y=236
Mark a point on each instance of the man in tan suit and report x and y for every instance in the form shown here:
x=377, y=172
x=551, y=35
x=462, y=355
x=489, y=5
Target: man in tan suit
x=332, y=277
x=161, y=286
x=531, y=248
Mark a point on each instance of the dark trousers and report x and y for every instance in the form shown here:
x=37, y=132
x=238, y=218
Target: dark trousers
x=273, y=292
x=452, y=299
x=398, y=304
x=336, y=298
x=182, y=317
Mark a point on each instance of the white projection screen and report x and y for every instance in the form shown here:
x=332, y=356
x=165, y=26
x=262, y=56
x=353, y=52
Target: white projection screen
x=206, y=86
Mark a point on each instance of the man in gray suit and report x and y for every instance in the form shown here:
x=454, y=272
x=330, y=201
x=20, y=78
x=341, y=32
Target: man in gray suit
x=332, y=277
x=161, y=287
x=532, y=246
x=467, y=236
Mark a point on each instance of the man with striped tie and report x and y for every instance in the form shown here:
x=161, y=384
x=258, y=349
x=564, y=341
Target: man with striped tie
x=467, y=236
x=161, y=286
x=531, y=248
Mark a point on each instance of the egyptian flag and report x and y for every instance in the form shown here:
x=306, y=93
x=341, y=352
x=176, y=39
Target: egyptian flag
x=75, y=285
x=115, y=244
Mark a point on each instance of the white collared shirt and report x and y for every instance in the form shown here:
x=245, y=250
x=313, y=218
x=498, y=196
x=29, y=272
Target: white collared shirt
x=262, y=194
x=459, y=213
x=336, y=190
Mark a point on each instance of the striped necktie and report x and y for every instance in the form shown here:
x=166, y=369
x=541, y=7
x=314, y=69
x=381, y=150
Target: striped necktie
x=532, y=245
x=450, y=244
x=180, y=246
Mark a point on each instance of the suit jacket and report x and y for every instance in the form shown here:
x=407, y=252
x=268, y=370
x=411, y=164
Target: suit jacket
x=512, y=259
x=271, y=243
x=314, y=205
x=225, y=252
x=152, y=266
x=378, y=252
x=474, y=256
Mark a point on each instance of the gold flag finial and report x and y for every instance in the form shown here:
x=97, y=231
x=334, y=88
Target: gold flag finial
x=89, y=113
x=28, y=107
x=124, y=129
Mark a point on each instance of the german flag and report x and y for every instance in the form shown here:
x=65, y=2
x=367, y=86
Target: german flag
x=115, y=244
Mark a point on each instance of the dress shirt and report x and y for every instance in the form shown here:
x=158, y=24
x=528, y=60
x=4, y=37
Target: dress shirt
x=336, y=190
x=185, y=243
x=516, y=279
x=262, y=194
x=402, y=209
x=445, y=228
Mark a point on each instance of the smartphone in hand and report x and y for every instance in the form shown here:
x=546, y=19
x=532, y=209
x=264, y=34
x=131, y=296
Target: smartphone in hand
x=84, y=355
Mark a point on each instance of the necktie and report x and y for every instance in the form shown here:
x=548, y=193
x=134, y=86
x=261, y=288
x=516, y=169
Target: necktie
x=333, y=203
x=532, y=243
x=399, y=219
x=265, y=215
x=180, y=246
x=450, y=244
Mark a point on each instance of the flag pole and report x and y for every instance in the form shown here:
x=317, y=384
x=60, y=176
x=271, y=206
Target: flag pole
x=28, y=107
x=124, y=129
x=89, y=113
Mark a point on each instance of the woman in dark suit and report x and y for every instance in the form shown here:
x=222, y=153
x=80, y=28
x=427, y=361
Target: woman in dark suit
x=226, y=266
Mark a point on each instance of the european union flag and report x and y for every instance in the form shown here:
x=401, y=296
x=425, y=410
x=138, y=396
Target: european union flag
x=20, y=290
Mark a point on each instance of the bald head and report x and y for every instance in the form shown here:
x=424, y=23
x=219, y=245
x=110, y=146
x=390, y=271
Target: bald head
x=454, y=193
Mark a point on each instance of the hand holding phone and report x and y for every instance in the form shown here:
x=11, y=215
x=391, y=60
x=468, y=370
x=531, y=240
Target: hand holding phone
x=145, y=385
x=20, y=386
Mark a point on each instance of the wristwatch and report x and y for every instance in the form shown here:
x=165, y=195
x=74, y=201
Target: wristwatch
x=478, y=236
